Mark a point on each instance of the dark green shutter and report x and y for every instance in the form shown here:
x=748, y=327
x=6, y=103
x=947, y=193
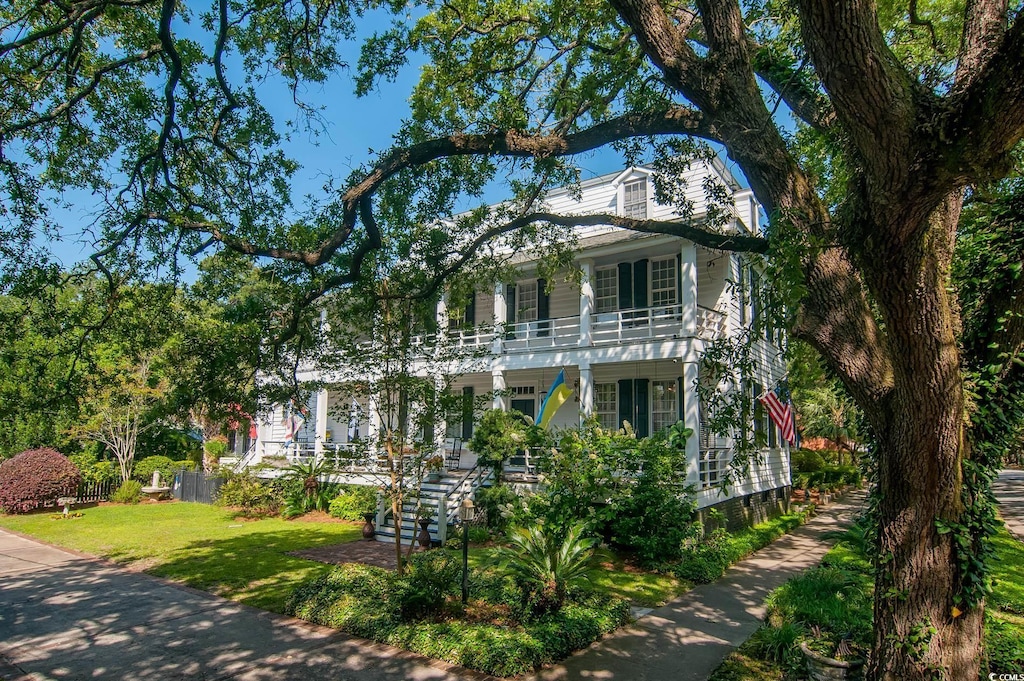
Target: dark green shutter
x=626, y=402
x=679, y=397
x=679, y=279
x=467, y=413
x=640, y=284
x=625, y=285
x=643, y=413
x=510, y=310
x=543, y=309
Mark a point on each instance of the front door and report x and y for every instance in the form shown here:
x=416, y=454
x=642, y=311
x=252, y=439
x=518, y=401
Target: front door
x=527, y=406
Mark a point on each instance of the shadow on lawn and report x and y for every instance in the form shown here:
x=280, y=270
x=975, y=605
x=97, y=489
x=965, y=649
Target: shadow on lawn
x=254, y=568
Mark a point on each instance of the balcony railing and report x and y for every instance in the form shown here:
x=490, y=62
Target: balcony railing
x=562, y=332
x=543, y=333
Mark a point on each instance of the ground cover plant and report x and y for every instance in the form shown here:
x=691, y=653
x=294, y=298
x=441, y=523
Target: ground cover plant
x=834, y=601
x=203, y=546
x=513, y=623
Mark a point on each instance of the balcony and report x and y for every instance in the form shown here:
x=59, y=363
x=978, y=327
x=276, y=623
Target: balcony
x=541, y=334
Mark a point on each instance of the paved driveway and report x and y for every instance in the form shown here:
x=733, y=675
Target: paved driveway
x=64, y=616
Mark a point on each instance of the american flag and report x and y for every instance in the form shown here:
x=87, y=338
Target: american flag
x=780, y=414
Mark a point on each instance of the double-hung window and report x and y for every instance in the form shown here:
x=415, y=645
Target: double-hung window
x=606, y=405
x=664, y=404
x=634, y=199
x=663, y=282
x=606, y=290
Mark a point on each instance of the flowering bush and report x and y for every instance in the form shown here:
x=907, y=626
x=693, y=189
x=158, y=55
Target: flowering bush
x=35, y=478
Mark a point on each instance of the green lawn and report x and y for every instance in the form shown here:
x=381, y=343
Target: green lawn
x=202, y=546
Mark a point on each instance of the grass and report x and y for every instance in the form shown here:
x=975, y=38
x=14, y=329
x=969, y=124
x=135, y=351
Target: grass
x=202, y=546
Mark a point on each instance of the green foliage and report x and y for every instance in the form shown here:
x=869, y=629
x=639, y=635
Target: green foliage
x=779, y=644
x=353, y=501
x=130, y=492
x=94, y=469
x=256, y=498
x=431, y=578
x=36, y=477
x=547, y=565
x=172, y=443
x=707, y=560
x=367, y=601
x=144, y=468
x=305, y=491
x=1004, y=642
x=501, y=506
x=806, y=461
x=498, y=436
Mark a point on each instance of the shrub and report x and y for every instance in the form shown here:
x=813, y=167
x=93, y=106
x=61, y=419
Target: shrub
x=807, y=461
x=254, y=496
x=654, y=522
x=548, y=566
x=36, y=477
x=353, y=502
x=213, y=450
x=836, y=600
x=499, y=504
x=707, y=560
x=130, y=492
x=144, y=468
x=94, y=469
x=780, y=644
x=1004, y=643
x=431, y=578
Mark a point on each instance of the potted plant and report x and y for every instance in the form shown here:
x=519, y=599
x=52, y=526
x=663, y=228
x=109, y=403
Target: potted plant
x=846, y=663
x=434, y=465
x=424, y=516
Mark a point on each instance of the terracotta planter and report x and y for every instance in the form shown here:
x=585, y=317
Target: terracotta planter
x=821, y=668
x=369, y=531
x=424, y=536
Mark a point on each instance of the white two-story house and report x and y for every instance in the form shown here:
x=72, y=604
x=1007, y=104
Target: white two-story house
x=629, y=338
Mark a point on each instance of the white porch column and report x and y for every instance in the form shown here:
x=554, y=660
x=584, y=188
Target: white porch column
x=586, y=303
x=442, y=314
x=321, y=423
x=498, y=385
x=688, y=288
x=586, y=390
x=440, y=418
x=373, y=423
x=691, y=413
x=500, y=312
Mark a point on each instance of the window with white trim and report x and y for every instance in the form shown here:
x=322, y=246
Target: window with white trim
x=664, y=404
x=606, y=289
x=457, y=319
x=606, y=405
x=526, y=302
x=663, y=282
x=634, y=199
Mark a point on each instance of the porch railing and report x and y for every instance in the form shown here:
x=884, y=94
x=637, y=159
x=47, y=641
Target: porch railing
x=542, y=333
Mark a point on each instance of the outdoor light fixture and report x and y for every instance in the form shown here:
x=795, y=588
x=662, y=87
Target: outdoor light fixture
x=467, y=511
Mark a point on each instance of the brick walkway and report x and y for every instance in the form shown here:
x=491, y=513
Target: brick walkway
x=367, y=552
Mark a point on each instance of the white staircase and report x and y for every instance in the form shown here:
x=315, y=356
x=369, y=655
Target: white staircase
x=447, y=494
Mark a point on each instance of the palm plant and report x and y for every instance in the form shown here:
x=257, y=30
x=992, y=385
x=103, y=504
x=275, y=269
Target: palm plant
x=547, y=564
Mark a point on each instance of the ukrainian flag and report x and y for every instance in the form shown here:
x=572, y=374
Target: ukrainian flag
x=557, y=395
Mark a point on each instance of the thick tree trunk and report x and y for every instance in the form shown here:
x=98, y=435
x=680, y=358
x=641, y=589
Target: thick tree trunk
x=920, y=436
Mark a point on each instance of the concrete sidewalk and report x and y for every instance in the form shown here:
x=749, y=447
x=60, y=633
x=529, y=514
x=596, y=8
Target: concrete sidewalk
x=687, y=639
x=66, y=616
x=1009, y=491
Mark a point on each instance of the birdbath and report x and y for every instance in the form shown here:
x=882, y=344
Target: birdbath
x=155, y=491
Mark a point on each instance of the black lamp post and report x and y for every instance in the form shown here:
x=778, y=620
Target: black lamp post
x=467, y=511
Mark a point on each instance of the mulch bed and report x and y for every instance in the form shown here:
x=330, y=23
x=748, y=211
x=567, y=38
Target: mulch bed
x=365, y=551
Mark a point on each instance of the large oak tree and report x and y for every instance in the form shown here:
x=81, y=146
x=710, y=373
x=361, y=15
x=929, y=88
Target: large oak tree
x=900, y=109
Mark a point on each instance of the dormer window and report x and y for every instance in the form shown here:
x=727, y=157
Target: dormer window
x=634, y=199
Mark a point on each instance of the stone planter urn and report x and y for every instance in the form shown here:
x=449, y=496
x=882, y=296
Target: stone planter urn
x=424, y=536
x=369, y=531
x=821, y=668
